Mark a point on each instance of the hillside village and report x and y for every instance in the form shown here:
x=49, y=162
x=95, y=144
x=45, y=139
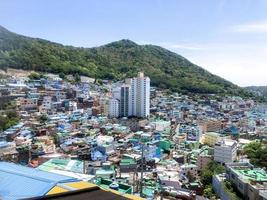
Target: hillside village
x=132, y=138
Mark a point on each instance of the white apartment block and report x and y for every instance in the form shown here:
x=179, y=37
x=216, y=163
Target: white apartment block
x=116, y=93
x=134, y=98
x=189, y=168
x=140, y=96
x=225, y=151
x=113, y=108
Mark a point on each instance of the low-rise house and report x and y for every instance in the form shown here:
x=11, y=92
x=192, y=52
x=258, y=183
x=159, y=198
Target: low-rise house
x=204, y=158
x=128, y=165
x=189, y=170
x=27, y=104
x=106, y=171
x=8, y=151
x=170, y=179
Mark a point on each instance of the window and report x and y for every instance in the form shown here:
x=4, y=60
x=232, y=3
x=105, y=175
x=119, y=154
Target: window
x=233, y=176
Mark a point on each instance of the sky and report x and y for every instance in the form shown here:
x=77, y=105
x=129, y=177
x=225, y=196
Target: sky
x=226, y=37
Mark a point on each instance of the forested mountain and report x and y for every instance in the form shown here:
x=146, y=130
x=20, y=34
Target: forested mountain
x=115, y=60
x=258, y=90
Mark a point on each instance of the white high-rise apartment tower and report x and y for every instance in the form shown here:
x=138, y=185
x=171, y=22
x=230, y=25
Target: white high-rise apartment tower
x=140, y=96
x=113, y=108
x=135, y=97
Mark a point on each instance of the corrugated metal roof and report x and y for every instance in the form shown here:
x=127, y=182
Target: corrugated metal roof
x=18, y=182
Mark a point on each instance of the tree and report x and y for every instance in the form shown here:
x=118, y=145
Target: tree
x=43, y=118
x=256, y=152
x=11, y=114
x=8, y=119
x=62, y=75
x=77, y=78
x=99, y=81
x=35, y=76
x=208, y=192
x=211, y=169
x=206, y=177
x=228, y=188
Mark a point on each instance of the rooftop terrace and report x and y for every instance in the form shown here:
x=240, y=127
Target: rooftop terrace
x=253, y=174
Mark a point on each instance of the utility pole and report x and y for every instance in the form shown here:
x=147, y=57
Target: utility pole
x=85, y=166
x=142, y=171
x=30, y=154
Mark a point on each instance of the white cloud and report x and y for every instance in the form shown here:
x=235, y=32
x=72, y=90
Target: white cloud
x=256, y=27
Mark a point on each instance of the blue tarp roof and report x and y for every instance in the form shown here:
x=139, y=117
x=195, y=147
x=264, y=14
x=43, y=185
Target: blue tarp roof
x=18, y=182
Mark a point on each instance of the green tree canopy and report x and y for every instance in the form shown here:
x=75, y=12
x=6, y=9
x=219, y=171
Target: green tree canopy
x=256, y=152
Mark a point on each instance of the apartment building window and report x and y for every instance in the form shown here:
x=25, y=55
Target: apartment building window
x=233, y=176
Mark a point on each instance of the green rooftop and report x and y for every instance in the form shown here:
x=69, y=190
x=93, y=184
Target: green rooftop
x=127, y=161
x=105, y=184
x=255, y=174
x=148, y=191
x=62, y=164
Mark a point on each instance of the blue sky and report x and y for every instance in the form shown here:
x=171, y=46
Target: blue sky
x=226, y=37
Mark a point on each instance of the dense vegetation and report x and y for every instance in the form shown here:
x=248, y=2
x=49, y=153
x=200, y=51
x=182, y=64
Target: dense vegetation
x=8, y=119
x=258, y=90
x=206, y=178
x=116, y=60
x=8, y=114
x=256, y=152
x=228, y=188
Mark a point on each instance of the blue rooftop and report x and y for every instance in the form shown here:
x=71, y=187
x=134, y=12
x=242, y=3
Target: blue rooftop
x=17, y=182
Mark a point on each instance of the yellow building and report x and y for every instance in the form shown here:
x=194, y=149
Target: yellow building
x=210, y=138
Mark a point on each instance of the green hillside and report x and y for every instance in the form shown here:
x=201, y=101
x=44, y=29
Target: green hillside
x=258, y=90
x=116, y=61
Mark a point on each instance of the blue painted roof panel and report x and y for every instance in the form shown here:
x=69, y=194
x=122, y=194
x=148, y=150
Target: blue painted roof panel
x=18, y=182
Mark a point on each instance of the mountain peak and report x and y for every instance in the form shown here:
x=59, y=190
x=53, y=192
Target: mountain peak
x=124, y=43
